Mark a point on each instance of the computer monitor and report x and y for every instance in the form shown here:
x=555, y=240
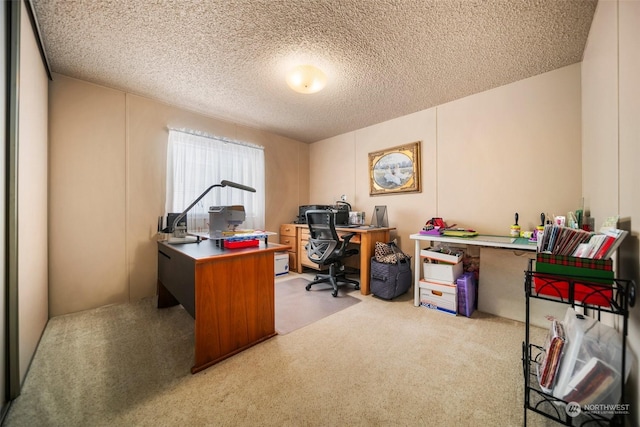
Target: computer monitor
x=379, y=217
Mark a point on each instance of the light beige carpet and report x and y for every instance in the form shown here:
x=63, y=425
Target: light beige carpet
x=377, y=363
x=296, y=307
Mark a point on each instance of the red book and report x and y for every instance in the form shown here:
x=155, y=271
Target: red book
x=608, y=241
x=619, y=238
x=554, y=348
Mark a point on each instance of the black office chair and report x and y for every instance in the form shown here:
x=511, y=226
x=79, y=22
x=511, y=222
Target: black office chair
x=326, y=248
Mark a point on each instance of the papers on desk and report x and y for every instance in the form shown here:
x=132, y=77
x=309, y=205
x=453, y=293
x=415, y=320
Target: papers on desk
x=459, y=232
x=498, y=239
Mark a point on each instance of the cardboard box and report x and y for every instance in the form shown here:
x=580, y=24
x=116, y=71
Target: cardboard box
x=442, y=273
x=281, y=263
x=590, y=280
x=453, y=257
x=438, y=296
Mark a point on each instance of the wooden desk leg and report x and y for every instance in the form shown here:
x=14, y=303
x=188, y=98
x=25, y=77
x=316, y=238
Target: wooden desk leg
x=365, y=262
x=299, y=250
x=367, y=248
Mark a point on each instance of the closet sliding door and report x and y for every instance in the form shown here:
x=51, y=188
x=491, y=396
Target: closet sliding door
x=9, y=374
x=23, y=196
x=32, y=190
x=3, y=206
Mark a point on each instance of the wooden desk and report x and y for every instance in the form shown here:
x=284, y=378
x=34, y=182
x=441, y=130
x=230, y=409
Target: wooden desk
x=365, y=238
x=229, y=292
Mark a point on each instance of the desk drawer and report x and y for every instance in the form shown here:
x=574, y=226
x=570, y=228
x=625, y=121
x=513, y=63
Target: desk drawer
x=289, y=240
x=288, y=230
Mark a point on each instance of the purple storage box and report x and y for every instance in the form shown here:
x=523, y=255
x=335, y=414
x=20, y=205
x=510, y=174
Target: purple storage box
x=466, y=293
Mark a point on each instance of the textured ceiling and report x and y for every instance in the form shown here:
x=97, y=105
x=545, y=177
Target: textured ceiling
x=383, y=58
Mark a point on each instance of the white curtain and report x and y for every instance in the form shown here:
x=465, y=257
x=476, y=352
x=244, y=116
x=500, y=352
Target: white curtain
x=196, y=161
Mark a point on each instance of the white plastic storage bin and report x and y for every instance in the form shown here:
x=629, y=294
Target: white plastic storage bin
x=591, y=356
x=441, y=272
x=281, y=263
x=452, y=257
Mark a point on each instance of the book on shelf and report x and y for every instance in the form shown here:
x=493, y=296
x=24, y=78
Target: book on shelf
x=593, y=382
x=548, y=368
x=562, y=240
x=607, y=241
x=619, y=237
x=559, y=240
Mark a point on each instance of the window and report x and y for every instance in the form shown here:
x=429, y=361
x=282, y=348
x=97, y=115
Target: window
x=196, y=161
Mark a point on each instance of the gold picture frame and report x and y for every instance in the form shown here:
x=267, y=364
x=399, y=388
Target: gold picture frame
x=395, y=170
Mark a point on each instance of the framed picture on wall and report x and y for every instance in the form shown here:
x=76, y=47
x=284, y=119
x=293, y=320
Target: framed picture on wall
x=395, y=170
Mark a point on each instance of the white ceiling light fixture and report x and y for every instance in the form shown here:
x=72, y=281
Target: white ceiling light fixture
x=306, y=79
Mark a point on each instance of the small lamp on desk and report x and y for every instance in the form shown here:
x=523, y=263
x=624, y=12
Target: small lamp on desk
x=180, y=232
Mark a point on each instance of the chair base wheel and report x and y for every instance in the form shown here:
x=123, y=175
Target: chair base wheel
x=335, y=281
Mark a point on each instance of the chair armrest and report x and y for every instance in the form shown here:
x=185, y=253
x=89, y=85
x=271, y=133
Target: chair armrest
x=346, y=237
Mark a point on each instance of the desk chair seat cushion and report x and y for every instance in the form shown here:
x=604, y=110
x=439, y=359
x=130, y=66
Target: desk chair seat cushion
x=325, y=247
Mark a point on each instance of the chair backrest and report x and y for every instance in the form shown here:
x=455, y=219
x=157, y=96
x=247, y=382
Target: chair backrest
x=323, y=238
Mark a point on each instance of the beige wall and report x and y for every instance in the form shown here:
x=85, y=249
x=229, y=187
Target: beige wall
x=32, y=196
x=600, y=114
x=611, y=134
x=87, y=261
x=108, y=159
x=484, y=157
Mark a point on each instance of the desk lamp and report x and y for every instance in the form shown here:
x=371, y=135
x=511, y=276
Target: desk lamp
x=180, y=233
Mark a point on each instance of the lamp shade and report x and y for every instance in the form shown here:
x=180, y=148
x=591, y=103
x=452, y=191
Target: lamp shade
x=306, y=79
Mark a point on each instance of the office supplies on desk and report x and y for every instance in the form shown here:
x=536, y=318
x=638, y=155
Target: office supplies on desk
x=180, y=232
x=437, y=224
x=356, y=218
x=515, y=228
x=431, y=232
x=537, y=233
x=224, y=219
x=498, y=239
x=459, y=232
x=379, y=218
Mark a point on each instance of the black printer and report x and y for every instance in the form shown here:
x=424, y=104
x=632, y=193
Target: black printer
x=341, y=208
x=302, y=219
